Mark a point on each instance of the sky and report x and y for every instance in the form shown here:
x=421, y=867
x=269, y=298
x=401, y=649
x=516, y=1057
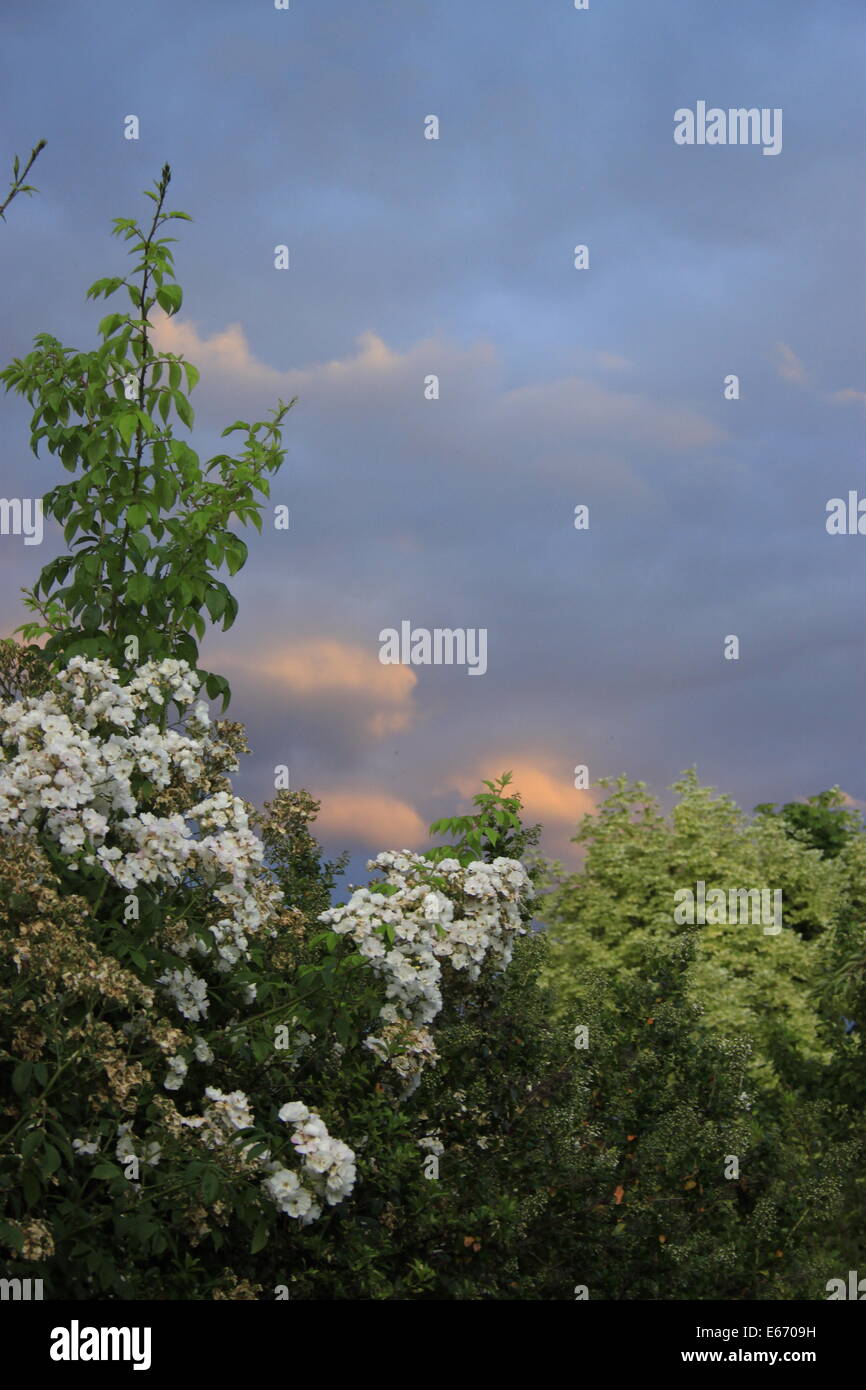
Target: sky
x=558, y=387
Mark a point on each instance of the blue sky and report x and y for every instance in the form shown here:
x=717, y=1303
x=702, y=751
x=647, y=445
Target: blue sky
x=557, y=386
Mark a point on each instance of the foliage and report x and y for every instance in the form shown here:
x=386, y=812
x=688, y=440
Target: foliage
x=744, y=978
x=149, y=525
x=823, y=822
x=741, y=1011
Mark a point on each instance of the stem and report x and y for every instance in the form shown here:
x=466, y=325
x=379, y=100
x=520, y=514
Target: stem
x=19, y=182
x=48, y=1087
x=162, y=188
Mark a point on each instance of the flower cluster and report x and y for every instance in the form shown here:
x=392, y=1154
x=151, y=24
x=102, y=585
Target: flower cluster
x=428, y=915
x=328, y=1167
x=406, y=1050
x=77, y=761
x=125, y=1148
x=188, y=992
x=223, y=1118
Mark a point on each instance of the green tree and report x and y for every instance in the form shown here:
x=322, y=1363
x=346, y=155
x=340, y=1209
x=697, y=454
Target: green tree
x=148, y=523
x=745, y=979
x=823, y=822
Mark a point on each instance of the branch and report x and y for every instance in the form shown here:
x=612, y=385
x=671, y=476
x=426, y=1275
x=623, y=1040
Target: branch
x=18, y=185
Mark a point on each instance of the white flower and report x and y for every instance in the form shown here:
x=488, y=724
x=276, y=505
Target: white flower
x=82, y=1146
x=188, y=991
x=125, y=1147
x=433, y=1143
x=177, y=1071
x=294, y=1112
x=468, y=923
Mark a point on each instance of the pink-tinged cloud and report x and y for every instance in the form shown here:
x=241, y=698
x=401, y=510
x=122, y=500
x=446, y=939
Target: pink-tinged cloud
x=542, y=414
x=847, y=397
x=228, y=352
x=320, y=671
x=370, y=818
x=548, y=794
x=576, y=408
x=789, y=366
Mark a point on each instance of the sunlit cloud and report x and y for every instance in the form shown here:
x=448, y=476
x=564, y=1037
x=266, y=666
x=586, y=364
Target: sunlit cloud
x=353, y=818
x=322, y=672
x=547, y=792
x=789, y=366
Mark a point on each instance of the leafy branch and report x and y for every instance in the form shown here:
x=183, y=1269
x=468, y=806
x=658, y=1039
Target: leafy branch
x=17, y=184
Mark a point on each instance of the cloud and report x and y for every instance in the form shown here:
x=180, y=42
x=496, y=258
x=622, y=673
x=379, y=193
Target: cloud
x=370, y=818
x=549, y=416
x=323, y=673
x=581, y=410
x=847, y=397
x=789, y=366
x=228, y=353
x=612, y=361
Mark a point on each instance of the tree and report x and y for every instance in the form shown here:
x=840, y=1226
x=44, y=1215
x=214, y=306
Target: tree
x=744, y=977
x=713, y=1038
x=823, y=822
x=149, y=525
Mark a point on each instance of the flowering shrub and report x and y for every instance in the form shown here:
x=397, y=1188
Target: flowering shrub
x=141, y=923
x=407, y=928
x=75, y=758
x=167, y=976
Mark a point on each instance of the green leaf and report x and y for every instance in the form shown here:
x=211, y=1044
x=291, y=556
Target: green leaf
x=11, y=1235
x=215, y=602
x=110, y=324
x=50, y=1160
x=170, y=298
x=31, y=1142
x=126, y=427
x=260, y=1238
x=210, y=1186
x=21, y=1077
x=31, y=1187
x=138, y=587
x=236, y=554
x=183, y=408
